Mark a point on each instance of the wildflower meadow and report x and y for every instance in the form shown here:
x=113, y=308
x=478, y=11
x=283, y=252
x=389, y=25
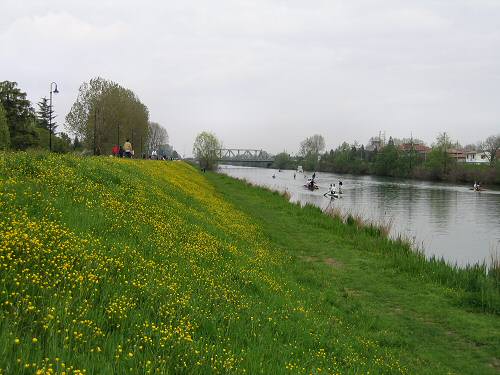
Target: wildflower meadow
x=114, y=266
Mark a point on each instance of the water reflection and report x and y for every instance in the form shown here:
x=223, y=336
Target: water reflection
x=449, y=221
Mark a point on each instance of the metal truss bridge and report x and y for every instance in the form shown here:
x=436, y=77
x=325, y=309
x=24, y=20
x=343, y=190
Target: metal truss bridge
x=243, y=155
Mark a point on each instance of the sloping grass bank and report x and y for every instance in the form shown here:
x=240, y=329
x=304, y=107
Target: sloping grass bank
x=121, y=266
x=440, y=319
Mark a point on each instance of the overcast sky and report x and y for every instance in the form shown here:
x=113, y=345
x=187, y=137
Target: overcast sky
x=267, y=74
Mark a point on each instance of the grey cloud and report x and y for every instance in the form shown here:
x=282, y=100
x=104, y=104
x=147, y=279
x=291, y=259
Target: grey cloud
x=269, y=73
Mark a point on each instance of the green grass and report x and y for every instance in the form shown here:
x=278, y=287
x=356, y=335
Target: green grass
x=439, y=318
x=136, y=266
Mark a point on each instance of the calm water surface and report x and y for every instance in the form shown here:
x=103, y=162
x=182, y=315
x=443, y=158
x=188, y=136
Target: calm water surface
x=448, y=221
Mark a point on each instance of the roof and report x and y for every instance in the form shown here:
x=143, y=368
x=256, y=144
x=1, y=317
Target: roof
x=416, y=147
x=475, y=152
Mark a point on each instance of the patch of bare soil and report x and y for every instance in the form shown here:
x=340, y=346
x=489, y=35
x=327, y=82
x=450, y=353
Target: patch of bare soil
x=333, y=262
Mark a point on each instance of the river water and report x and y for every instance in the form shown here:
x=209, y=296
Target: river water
x=448, y=221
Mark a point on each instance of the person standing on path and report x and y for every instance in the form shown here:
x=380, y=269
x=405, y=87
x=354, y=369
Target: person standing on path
x=127, y=148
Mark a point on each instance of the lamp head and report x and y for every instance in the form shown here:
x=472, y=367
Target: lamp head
x=56, y=91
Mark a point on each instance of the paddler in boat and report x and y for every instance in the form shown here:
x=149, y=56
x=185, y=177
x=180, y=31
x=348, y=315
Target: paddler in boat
x=331, y=191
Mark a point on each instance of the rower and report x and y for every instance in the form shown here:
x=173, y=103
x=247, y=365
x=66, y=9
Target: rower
x=331, y=191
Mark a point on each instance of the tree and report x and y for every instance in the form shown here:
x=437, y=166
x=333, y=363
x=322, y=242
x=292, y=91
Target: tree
x=20, y=116
x=439, y=157
x=471, y=147
x=443, y=141
x=45, y=114
x=157, y=136
x=491, y=145
x=4, y=130
x=437, y=163
x=77, y=145
x=205, y=149
x=312, y=145
x=26, y=135
x=310, y=150
x=387, y=162
x=105, y=114
x=62, y=143
x=283, y=161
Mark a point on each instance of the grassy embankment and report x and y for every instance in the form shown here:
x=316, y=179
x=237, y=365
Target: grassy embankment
x=120, y=266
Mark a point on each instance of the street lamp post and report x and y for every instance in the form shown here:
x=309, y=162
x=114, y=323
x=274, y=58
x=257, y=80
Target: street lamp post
x=55, y=91
x=95, y=128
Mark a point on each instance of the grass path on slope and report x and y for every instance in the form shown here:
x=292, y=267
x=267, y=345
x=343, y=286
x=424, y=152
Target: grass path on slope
x=425, y=322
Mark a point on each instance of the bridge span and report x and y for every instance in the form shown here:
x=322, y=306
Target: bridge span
x=243, y=155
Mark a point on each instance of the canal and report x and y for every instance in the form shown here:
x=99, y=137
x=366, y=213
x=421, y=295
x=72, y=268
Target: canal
x=444, y=220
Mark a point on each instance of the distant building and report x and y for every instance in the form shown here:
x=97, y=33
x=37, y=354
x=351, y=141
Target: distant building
x=375, y=144
x=419, y=148
x=457, y=154
x=477, y=157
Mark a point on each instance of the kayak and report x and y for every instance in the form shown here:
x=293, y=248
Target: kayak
x=480, y=189
x=331, y=195
x=315, y=187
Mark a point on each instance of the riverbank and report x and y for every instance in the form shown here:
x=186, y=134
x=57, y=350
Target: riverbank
x=429, y=310
x=444, y=220
x=140, y=266
x=462, y=173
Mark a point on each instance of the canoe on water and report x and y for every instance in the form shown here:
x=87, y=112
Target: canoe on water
x=331, y=195
x=480, y=189
x=315, y=187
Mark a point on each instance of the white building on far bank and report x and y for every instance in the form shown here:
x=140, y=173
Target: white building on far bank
x=477, y=157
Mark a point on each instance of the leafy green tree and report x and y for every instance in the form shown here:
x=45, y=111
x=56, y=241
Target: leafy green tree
x=387, y=162
x=310, y=150
x=62, y=143
x=26, y=135
x=77, y=145
x=439, y=161
x=408, y=161
x=205, y=149
x=283, y=161
x=4, y=130
x=105, y=114
x=20, y=116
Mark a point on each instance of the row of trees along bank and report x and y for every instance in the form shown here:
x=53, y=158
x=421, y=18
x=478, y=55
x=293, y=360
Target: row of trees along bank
x=392, y=159
x=104, y=114
x=22, y=127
